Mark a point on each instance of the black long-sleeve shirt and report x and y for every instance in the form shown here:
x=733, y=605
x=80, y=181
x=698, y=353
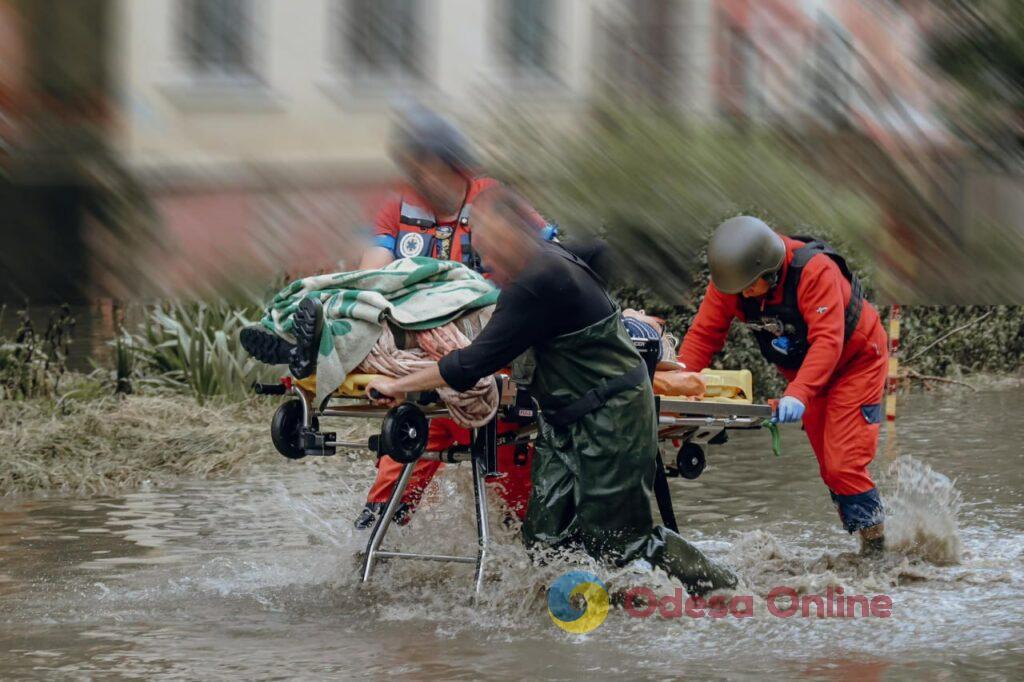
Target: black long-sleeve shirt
x=550, y=297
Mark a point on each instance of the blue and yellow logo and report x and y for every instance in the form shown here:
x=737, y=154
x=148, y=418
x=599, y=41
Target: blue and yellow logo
x=572, y=587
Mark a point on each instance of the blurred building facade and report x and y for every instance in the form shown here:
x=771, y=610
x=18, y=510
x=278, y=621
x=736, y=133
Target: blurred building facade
x=250, y=121
x=254, y=132
x=838, y=61
x=203, y=82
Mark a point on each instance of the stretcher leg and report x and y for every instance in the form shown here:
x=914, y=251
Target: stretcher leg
x=483, y=531
x=380, y=528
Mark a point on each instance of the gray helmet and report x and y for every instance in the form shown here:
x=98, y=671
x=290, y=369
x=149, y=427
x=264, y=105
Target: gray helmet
x=421, y=131
x=742, y=249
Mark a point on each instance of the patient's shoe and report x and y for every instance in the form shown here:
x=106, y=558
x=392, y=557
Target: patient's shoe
x=309, y=324
x=266, y=346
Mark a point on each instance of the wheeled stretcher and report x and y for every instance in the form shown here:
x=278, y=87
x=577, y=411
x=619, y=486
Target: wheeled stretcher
x=296, y=432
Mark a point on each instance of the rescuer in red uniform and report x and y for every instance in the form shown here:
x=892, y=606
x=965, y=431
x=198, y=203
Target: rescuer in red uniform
x=810, y=318
x=431, y=217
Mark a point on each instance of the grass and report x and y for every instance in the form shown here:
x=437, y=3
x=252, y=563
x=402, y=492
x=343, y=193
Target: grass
x=101, y=445
x=176, y=403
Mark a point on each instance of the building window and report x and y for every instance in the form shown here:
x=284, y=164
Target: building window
x=218, y=37
x=528, y=28
x=382, y=40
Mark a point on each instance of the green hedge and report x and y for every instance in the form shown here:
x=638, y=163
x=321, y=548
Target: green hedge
x=990, y=339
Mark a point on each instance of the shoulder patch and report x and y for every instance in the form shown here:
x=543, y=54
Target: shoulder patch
x=411, y=245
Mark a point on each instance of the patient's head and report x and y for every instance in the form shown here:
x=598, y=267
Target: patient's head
x=504, y=232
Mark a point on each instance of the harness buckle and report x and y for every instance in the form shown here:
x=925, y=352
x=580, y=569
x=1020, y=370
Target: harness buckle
x=772, y=326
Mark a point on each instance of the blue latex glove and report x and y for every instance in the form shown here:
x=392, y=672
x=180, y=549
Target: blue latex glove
x=790, y=410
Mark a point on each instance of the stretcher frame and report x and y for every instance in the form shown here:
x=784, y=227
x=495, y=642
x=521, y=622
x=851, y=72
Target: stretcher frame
x=698, y=422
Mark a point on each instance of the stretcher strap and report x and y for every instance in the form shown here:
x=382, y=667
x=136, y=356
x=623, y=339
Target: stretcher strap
x=773, y=428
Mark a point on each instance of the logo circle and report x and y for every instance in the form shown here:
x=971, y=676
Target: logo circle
x=564, y=598
x=411, y=245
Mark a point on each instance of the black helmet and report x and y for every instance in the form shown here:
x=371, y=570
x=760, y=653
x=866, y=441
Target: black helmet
x=421, y=131
x=742, y=250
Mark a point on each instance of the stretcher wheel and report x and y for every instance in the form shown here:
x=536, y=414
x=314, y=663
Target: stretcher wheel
x=286, y=429
x=403, y=435
x=690, y=461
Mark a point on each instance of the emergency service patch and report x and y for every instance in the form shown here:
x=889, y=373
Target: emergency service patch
x=411, y=245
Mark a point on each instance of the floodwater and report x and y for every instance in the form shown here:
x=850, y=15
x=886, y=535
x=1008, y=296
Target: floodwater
x=256, y=578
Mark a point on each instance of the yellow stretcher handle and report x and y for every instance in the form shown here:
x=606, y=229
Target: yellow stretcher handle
x=354, y=385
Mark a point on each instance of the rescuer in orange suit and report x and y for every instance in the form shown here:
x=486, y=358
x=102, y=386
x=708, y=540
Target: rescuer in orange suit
x=432, y=217
x=809, y=316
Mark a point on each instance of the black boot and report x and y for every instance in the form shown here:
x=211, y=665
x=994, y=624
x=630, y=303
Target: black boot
x=403, y=514
x=309, y=325
x=872, y=541
x=266, y=346
x=368, y=517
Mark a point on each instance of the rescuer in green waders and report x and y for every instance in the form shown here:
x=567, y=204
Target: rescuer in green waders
x=597, y=425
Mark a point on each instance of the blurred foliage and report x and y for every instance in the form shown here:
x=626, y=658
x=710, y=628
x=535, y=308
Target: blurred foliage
x=32, y=362
x=654, y=187
x=980, y=45
x=77, y=208
x=194, y=347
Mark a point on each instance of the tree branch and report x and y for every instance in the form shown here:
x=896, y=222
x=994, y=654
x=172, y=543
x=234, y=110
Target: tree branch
x=914, y=374
x=946, y=336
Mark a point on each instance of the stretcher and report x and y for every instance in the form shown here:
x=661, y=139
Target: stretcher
x=297, y=433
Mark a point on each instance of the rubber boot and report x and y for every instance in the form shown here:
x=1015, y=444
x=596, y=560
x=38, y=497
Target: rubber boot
x=681, y=560
x=690, y=566
x=872, y=540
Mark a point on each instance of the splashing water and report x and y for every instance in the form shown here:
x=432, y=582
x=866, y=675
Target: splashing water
x=922, y=513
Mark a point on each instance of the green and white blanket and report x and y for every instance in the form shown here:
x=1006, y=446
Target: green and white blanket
x=412, y=293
